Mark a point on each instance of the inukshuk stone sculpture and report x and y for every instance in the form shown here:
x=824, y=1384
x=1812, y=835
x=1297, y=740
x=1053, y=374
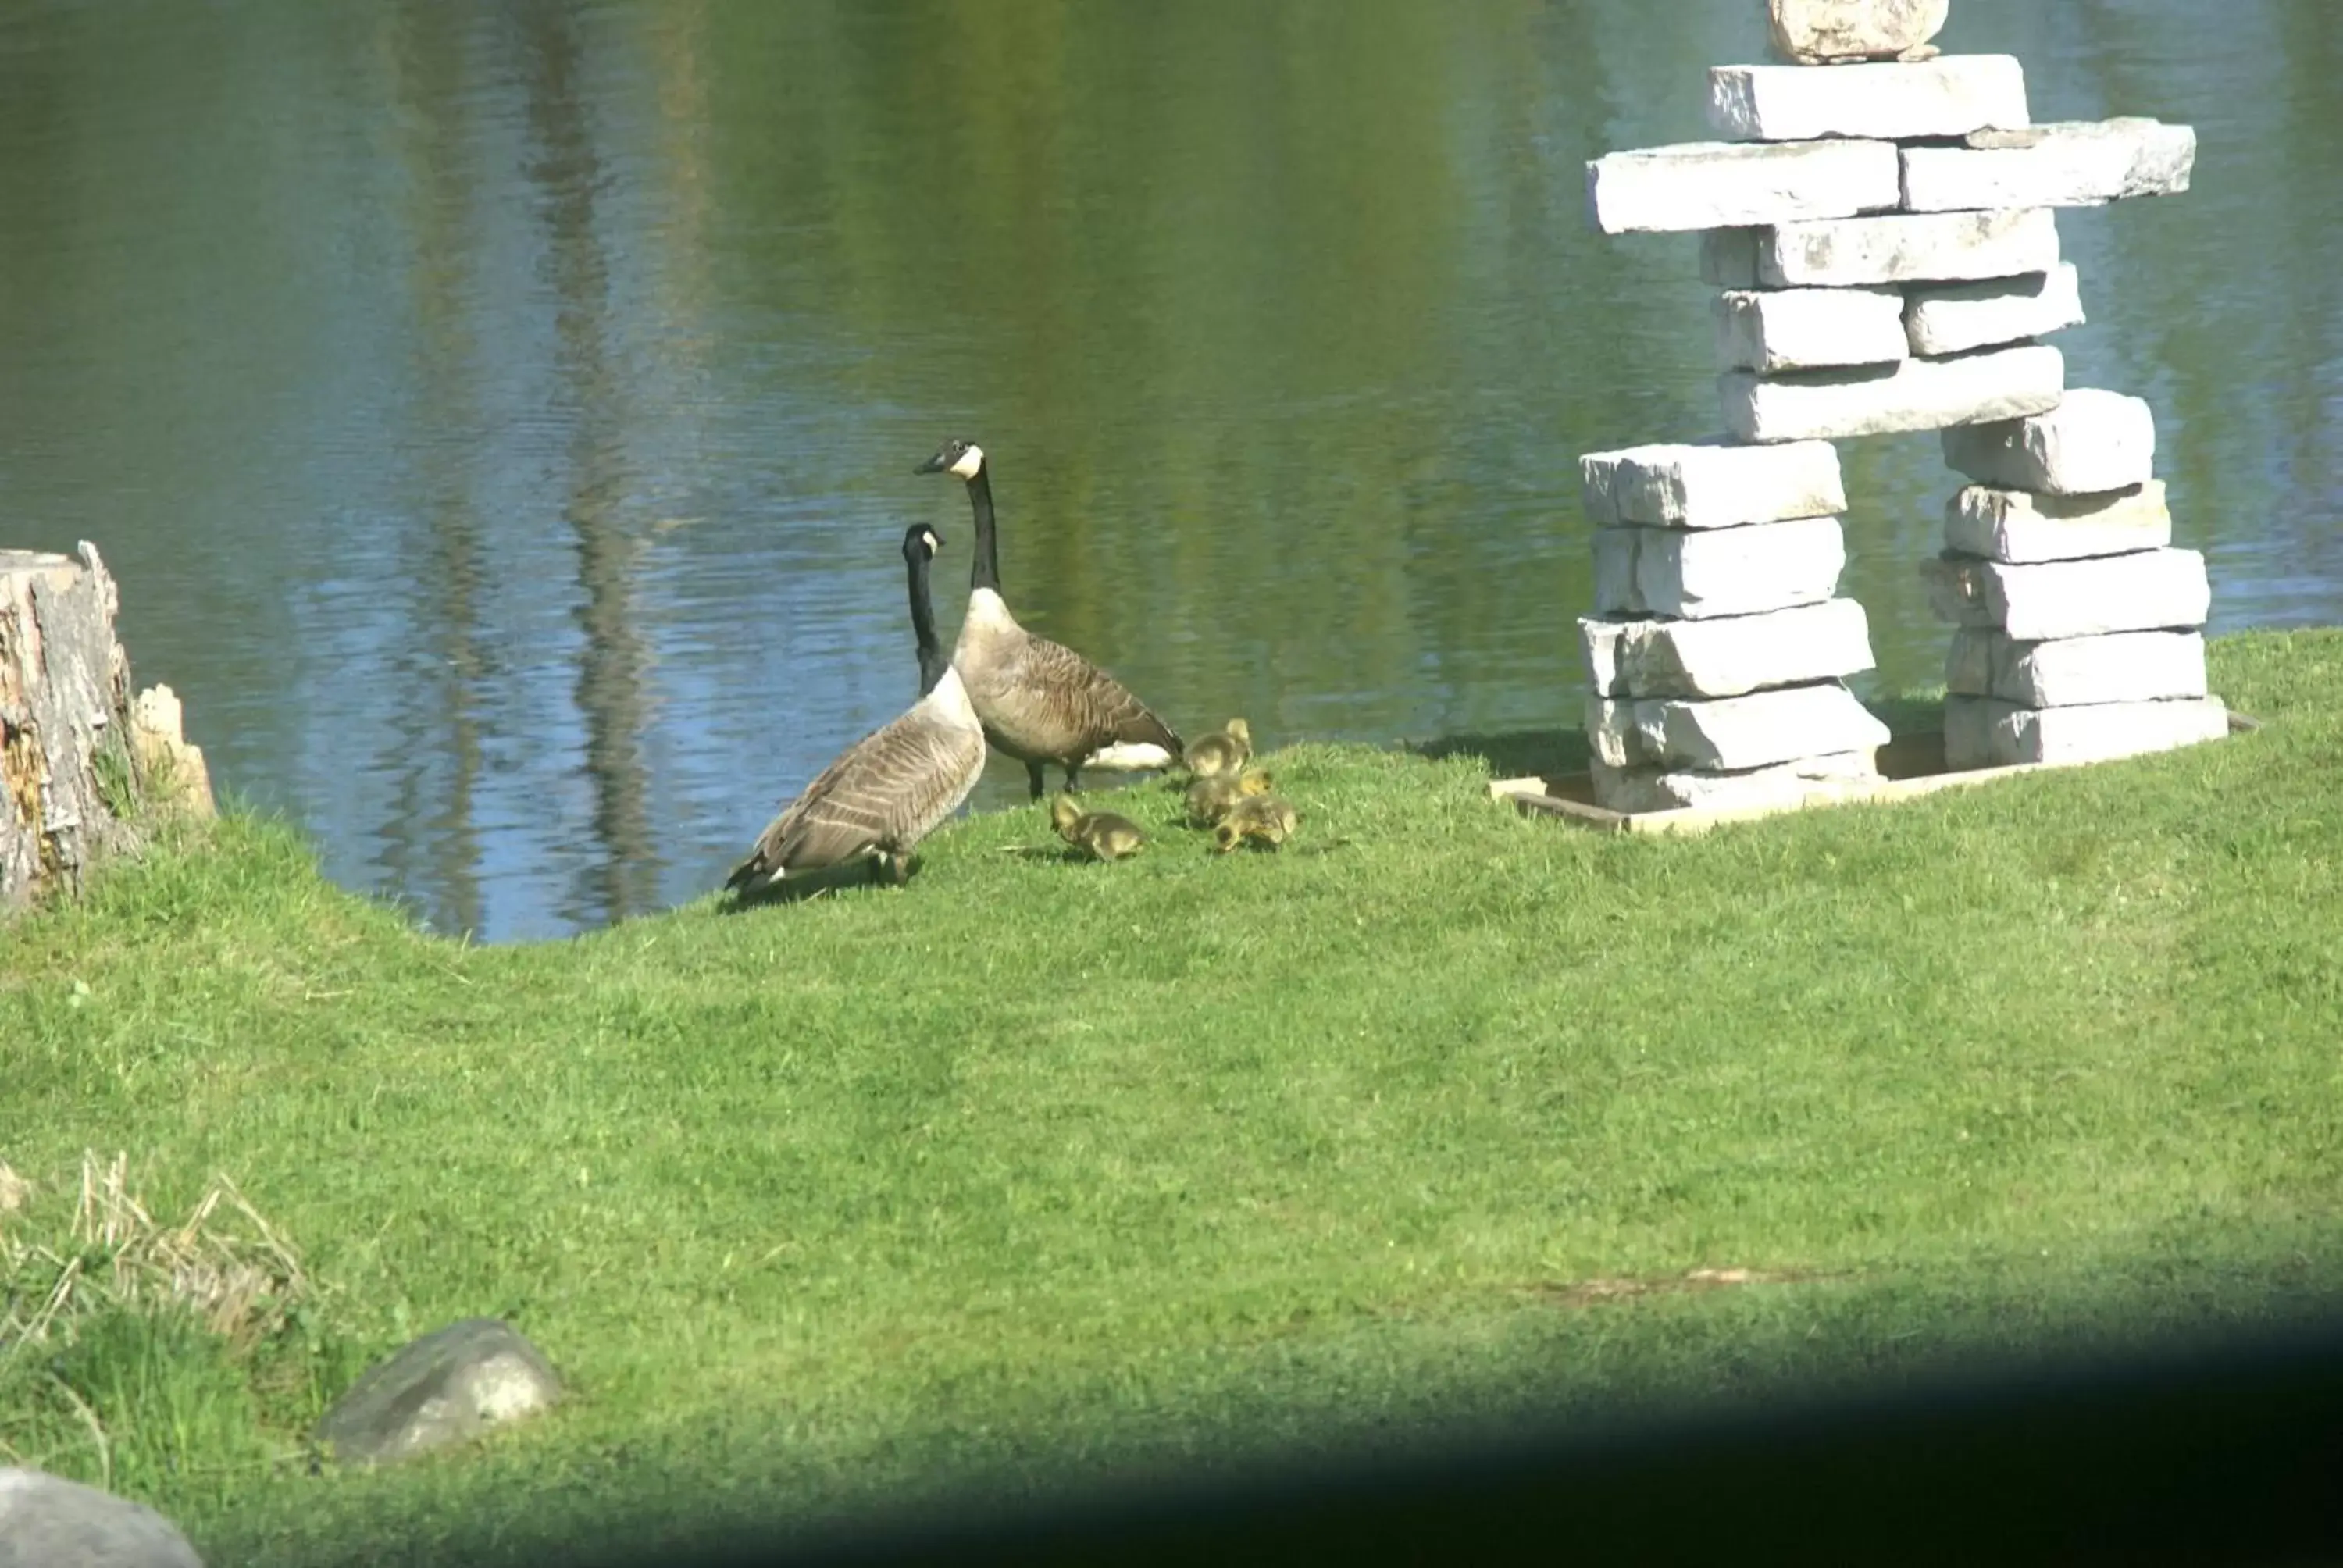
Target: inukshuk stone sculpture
x=1883, y=234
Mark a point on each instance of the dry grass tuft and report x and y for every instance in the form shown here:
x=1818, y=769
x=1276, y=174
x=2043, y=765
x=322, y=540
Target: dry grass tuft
x=1586, y=1292
x=225, y=1262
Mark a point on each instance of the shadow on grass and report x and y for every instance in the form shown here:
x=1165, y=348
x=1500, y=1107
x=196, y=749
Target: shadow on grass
x=1064, y=854
x=854, y=875
x=2047, y=1448
x=1551, y=753
x=1188, y=841
x=1514, y=754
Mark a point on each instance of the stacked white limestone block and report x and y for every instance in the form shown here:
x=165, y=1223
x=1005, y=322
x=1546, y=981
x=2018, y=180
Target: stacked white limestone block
x=2079, y=630
x=1879, y=220
x=1968, y=260
x=1883, y=232
x=1717, y=656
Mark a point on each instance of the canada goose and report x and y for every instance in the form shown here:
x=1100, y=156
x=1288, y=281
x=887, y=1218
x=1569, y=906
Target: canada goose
x=1263, y=817
x=1224, y=750
x=1039, y=702
x=891, y=789
x=1211, y=797
x=1106, y=836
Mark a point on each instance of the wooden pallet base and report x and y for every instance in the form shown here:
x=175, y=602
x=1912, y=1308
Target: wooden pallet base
x=1910, y=766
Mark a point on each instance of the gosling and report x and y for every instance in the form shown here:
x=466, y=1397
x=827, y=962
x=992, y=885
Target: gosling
x=1223, y=753
x=1102, y=834
x=1262, y=818
x=1211, y=799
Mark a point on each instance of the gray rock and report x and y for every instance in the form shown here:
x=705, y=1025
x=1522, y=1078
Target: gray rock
x=1812, y=32
x=47, y=1522
x=447, y=1387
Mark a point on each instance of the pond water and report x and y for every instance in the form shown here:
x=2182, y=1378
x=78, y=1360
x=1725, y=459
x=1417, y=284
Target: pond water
x=501, y=419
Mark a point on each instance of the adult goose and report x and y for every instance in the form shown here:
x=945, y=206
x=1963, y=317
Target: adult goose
x=1039, y=702
x=893, y=787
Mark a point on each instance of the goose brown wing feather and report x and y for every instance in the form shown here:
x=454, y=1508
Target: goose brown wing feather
x=885, y=792
x=1071, y=705
x=939, y=768
x=784, y=841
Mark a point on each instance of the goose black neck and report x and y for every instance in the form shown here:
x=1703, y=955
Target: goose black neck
x=933, y=661
x=986, y=573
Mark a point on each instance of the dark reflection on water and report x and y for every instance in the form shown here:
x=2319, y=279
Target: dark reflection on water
x=501, y=418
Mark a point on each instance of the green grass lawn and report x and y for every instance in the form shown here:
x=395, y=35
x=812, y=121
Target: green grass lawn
x=1038, y=1168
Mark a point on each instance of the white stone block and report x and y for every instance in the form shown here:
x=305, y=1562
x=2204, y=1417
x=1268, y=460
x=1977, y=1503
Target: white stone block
x=2071, y=164
x=1811, y=32
x=1711, y=484
x=1986, y=732
x=1725, y=657
x=1731, y=733
x=2021, y=526
x=2124, y=667
x=1916, y=394
x=1774, y=330
x=2152, y=590
x=2093, y=441
x=1955, y=318
x=1949, y=96
x=1722, y=571
x=1904, y=247
x=1712, y=185
x=1783, y=784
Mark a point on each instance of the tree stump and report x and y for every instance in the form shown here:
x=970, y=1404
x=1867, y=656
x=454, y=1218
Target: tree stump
x=80, y=762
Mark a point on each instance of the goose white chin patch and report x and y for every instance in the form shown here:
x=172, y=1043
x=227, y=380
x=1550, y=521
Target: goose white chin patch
x=969, y=462
x=1129, y=756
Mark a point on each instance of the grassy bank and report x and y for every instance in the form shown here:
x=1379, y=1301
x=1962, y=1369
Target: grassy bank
x=1039, y=1164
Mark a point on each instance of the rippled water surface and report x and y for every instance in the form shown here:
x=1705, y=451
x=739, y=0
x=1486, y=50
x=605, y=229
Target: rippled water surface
x=501, y=418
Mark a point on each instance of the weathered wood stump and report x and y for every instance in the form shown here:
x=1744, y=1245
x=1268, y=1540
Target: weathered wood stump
x=80, y=760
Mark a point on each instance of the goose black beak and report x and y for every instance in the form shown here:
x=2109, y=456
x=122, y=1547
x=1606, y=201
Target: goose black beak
x=935, y=464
